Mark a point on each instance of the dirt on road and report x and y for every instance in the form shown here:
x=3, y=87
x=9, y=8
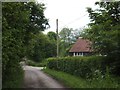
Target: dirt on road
x=35, y=78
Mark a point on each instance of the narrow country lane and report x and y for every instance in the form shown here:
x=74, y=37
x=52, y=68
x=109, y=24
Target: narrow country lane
x=35, y=78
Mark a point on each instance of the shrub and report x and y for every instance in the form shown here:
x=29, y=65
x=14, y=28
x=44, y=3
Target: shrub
x=80, y=66
x=13, y=77
x=37, y=64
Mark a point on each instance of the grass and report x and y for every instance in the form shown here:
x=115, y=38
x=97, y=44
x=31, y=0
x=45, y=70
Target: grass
x=77, y=82
x=67, y=79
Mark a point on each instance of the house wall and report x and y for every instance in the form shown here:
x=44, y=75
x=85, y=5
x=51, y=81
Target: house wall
x=80, y=53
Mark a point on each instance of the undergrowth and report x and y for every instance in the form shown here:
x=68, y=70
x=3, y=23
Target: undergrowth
x=98, y=81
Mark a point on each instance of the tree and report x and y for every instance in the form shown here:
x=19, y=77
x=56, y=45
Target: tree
x=52, y=36
x=16, y=36
x=65, y=34
x=104, y=26
x=42, y=46
x=13, y=24
x=39, y=45
x=66, y=39
x=53, y=45
x=104, y=31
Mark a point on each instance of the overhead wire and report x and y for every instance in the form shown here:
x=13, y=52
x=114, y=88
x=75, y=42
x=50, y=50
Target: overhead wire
x=74, y=20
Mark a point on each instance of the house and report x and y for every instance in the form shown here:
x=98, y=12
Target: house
x=82, y=47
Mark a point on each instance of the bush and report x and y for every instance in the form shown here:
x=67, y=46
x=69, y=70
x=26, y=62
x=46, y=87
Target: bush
x=37, y=64
x=79, y=66
x=13, y=77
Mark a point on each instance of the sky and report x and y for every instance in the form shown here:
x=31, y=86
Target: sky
x=70, y=13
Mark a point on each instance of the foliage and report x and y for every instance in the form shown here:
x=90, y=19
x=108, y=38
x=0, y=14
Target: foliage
x=38, y=49
x=104, y=28
x=52, y=36
x=104, y=31
x=36, y=64
x=12, y=44
x=103, y=81
x=72, y=81
x=80, y=66
x=53, y=39
x=37, y=18
x=64, y=40
x=18, y=21
x=41, y=47
x=68, y=80
x=14, y=77
x=67, y=36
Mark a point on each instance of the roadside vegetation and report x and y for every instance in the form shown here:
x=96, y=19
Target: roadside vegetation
x=22, y=22
x=72, y=81
x=102, y=69
x=37, y=64
x=92, y=71
x=23, y=39
x=81, y=66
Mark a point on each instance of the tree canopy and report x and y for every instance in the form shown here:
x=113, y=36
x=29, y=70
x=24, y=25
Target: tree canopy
x=104, y=32
x=104, y=28
x=67, y=37
x=20, y=24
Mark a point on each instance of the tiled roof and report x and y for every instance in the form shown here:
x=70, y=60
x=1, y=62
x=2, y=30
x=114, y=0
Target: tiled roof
x=82, y=45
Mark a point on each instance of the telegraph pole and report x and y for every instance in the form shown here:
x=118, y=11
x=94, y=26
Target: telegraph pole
x=57, y=38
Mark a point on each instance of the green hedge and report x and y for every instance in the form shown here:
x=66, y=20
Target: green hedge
x=13, y=77
x=80, y=66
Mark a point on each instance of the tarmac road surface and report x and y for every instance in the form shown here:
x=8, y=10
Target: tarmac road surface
x=35, y=78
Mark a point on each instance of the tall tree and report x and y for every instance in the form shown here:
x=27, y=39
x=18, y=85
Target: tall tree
x=53, y=45
x=67, y=37
x=38, y=51
x=52, y=35
x=42, y=47
x=104, y=27
x=16, y=36
x=104, y=31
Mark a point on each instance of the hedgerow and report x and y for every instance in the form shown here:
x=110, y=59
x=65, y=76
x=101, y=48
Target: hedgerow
x=79, y=66
x=19, y=28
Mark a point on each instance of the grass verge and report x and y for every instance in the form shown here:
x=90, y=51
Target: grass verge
x=67, y=79
x=77, y=82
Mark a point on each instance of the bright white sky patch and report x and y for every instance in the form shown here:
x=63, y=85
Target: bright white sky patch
x=70, y=13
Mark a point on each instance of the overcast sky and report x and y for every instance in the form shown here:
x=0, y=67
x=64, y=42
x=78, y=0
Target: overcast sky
x=70, y=13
